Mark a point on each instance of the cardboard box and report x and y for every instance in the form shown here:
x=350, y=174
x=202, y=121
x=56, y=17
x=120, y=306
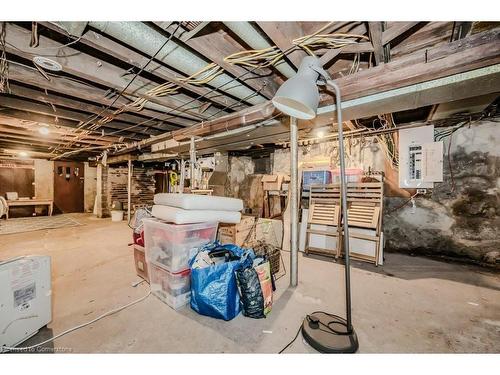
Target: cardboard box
x=141, y=266
x=236, y=233
x=272, y=181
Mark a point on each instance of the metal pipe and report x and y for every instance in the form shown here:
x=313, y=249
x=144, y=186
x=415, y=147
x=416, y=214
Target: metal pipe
x=252, y=37
x=294, y=190
x=129, y=189
x=192, y=162
x=147, y=40
x=343, y=204
x=177, y=105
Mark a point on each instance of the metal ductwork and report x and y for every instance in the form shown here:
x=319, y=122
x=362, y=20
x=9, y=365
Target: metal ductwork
x=147, y=40
x=252, y=37
x=179, y=100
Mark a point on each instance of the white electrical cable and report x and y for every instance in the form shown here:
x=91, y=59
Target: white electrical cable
x=111, y=312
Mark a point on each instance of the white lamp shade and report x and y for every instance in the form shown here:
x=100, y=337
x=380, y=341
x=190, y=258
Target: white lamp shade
x=298, y=96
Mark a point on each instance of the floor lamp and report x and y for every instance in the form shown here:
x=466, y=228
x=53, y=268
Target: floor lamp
x=299, y=97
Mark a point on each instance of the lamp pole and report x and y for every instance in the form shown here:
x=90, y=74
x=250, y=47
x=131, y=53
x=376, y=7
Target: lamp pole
x=294, y=187
x=298, y=97
x=343, y=203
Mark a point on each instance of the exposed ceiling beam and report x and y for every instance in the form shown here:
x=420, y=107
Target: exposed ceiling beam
x=466, y=84
x=78, y=104
x=467, y=54
x=375, y=29
x=51, y=137
x=30, y=139
x=24, y=115
x=361, y=47
x=60, y=113
x=60, y=130
x=191, y=34
x=129, y=56
x=101, y=72
x=217, y=45
x=26, y=145
x=427, y=36
x=395, y=31
x=457, y=57
x=67, y=86
x=282, y=34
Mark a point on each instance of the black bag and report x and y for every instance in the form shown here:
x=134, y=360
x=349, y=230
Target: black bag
x=251, y=297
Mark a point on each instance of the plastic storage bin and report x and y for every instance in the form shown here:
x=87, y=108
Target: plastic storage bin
x=172, y=245
x=171, y=288
x=311, y=178
x=351, y=174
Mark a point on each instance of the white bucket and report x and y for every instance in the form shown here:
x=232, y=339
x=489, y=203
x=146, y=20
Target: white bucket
x=116, y=215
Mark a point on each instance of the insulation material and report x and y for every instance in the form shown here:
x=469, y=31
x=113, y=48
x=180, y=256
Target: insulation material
x=181, y=216
x=198, y=202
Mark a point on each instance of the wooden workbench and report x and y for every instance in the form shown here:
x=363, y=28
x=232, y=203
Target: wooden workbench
x=31, y=202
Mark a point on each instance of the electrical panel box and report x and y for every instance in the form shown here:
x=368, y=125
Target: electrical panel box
x=420, y=158
x=25, y=298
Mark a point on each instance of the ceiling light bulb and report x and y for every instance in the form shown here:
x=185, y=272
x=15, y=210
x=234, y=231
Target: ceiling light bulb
x=44, y=130
x=23, y=154
x=321, y=134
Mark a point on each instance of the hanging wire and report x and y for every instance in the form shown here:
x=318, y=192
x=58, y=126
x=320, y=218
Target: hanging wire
x=267, y=57
x=330, y=41
x=107, y=119
x=4, y=65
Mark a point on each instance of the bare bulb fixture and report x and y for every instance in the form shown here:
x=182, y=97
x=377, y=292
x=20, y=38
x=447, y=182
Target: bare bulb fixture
x=44, y=130
x=23, y=154
x=321, y=134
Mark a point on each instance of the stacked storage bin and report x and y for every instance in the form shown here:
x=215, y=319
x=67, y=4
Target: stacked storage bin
x=169, y=247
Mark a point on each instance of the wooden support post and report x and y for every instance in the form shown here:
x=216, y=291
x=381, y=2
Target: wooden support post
x=129, y=189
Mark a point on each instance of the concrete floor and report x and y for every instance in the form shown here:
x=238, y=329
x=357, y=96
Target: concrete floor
x=410, y=304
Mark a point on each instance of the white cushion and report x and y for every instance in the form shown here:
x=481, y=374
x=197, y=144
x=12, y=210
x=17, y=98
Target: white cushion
x=198, y=202
x=181, y=216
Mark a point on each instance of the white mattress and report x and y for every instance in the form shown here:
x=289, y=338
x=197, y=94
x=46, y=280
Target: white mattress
x=198, y=202
x=181, y=216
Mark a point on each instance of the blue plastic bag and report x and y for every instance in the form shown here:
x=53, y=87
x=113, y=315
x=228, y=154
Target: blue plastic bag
x=214, y=291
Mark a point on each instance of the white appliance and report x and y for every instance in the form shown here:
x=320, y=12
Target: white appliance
x=25, y=298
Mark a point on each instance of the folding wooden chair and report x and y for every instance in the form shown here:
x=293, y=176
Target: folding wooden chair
x=323, y=221
x=364, y=211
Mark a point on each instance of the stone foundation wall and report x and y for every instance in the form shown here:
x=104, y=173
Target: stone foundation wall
x=460, y=216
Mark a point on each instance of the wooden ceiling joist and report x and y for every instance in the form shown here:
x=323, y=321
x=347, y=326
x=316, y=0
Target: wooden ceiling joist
x=138, y=61
x=67, y=86
x=473, y=52
x=95, y=70
x=376, y=29
x=59, y=113
x=466, y=54
x=217, y=45
x=361, y=47
x=75, y=103
x=52, y=137
x=24, y=115
x=282, y=34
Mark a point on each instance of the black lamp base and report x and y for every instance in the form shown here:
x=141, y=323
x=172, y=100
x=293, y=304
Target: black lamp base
x=327, y=333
